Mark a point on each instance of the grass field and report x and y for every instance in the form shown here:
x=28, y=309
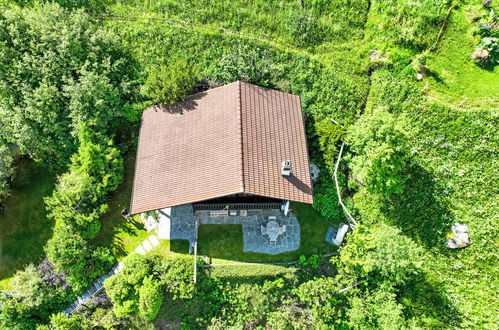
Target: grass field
x=120, y=235
x=224, y=243
x=24, y=227
x=454, y=78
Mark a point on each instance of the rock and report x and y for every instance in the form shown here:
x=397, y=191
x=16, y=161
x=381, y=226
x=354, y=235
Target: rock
x=480, y=54
x=375, y=56
x=314, y=172
x=460, y=237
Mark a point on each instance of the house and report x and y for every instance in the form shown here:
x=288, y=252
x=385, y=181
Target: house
x=227, y=151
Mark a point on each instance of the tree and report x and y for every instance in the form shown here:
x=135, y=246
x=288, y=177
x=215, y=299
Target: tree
x=71, y=253
x=381, y=251
x=172, y=83
x=150, y=298
x=322, y=300
x=380, y=152
x=60, y=321
x=176, y=274
x=58, y=68
x=31, y=302
x=376, y=310
x=6, y=171
x=123, y=288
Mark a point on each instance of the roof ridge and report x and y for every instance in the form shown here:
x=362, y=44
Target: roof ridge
x=240, y=113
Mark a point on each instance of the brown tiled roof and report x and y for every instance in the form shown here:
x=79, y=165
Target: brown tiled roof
x=227, y=140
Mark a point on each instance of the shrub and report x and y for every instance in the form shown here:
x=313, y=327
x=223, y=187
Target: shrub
x=6, y=171
x=304, y=29
x=58, y=68
x=123, y=288
x=172, y=83
x=380, y=149
x=150, y=298
x=487, y=51
x=382, y=252
x=243, y=63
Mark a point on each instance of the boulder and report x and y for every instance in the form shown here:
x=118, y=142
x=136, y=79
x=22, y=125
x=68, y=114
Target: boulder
x=460, y=237
x=375, y=56
x=481, y=55
x=314, y=172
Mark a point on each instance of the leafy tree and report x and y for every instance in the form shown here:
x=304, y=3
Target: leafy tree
x=69, y=252
x=321, y=299
x=382, y=251
x=172, y=83
x=291, y=317
x=123, y=288
x=60, y=321
x=6, y=171
x=58, y=68
x=376, y=310
x=380, y=152
x=177, y=276
x=150, y=298
x=242, y=63
x=95, y=170
x=30, y=303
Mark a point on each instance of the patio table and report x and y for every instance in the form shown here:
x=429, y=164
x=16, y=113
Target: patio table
x=273, y=230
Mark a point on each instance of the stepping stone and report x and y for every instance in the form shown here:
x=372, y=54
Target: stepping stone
x=140, y=250
x=154, y=240
x=147, y=246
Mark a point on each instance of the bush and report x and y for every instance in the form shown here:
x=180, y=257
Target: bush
x=150, y=298
x=58, y=68
x=304, y=29
x=380, y=153
x=172, y=83
x=487, y=51
x=382, y=252
x=95, y=170
x=243, y=63
x=6, y=171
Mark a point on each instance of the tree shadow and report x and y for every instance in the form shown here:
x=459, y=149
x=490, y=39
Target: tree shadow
x=420, y=210
x=424, y=301
x=178, y=108
x=113, y=224
x=435, y=75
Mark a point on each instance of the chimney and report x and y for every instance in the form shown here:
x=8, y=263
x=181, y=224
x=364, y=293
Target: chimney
x=286, y=168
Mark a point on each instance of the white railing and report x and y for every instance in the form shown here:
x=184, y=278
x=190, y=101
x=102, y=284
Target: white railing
x=351, y=220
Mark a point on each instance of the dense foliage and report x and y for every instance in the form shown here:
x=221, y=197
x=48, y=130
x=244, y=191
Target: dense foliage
x=380, y=152
x=143, y=283
x=419, y=155
x=171, y=83
x=6, y=171
x=56, y=70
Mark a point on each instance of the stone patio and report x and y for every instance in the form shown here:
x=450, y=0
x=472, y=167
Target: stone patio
x=183, y=226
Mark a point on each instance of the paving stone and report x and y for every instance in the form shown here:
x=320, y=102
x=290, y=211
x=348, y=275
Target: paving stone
x=140, y=250
x=147, y=246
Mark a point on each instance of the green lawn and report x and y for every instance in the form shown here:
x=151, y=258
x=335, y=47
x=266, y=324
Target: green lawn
x=120, y=235
x=453, y=77
x=24, y=227
x=224, y=243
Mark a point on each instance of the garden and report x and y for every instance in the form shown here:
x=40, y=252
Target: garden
x=409, y=86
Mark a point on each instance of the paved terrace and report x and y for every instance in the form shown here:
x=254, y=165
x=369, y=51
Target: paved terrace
x=183, y=226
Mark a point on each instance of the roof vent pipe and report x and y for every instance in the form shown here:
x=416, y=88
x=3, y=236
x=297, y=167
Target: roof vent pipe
x=286, y=168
